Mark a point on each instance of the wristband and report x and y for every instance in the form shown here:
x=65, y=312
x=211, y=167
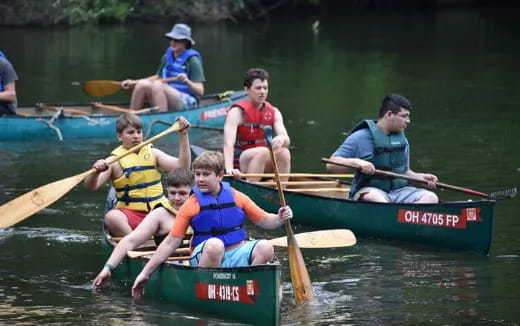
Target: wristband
x=110, y=267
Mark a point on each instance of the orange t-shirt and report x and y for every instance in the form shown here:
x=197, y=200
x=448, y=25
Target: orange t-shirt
x=191, y=208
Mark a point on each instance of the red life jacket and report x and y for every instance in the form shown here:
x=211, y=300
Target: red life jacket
x=251, y=133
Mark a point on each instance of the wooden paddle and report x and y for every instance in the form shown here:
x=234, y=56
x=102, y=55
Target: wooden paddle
x=26, y=205
x=503, y=194
x=295, y=175
x=98, y=88
x=312, y=240
x=301, y=282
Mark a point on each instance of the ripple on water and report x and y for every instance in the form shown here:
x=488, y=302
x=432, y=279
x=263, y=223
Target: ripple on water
x=50, y=234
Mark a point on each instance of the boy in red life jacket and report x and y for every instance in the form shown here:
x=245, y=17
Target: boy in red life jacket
x=136, y=177
x=157, y=223
x=216, y=212
x=245, y=147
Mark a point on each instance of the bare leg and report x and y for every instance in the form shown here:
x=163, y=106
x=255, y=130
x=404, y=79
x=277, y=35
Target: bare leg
x=141, y=94
x=255, y=160
x=159, y=97
x=173, y=97
x=212, y=253
x=117, y=223
x=262, y=253
x=283, y=161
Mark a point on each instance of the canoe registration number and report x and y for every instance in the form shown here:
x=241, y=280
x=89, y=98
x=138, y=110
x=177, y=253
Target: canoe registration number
x=227, y=292
x=456, y=221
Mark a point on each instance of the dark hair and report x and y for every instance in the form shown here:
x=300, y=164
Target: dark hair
x=255, y=73
x=394, y=103
x=128, y=119
x=210, y=160
x=180, y=177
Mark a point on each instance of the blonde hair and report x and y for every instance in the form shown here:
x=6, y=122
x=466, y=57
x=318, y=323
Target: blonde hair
x=210, y=160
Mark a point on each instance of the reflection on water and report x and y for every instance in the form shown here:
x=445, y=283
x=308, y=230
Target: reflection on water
x=459, y=69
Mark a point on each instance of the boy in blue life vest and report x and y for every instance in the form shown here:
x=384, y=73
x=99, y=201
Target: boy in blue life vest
x=216, y=212
x=136, y=177
x=382, y=145
x=180, y=60
x=8, y=77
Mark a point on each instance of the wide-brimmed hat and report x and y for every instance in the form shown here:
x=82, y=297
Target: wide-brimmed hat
x=180, y=32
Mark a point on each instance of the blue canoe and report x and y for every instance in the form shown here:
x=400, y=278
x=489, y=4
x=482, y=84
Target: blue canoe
x=62, y=122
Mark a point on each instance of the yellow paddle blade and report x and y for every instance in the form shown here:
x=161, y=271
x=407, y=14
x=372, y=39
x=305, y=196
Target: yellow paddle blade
x=37, y=199
x=320, y=239
x=98, y=88
x=301, y=282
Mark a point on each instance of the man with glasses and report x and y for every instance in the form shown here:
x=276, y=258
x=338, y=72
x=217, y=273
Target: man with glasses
x=382, y=145
x=181, y=61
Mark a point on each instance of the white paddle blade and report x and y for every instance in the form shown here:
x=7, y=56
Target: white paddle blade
x=320, y=239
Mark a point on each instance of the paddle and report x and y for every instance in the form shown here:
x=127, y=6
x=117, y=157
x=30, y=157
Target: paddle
x=311, y=240
x=98, y=88
x=294, y=175
x=299, y=276
x=497, y=195
x=26, y=205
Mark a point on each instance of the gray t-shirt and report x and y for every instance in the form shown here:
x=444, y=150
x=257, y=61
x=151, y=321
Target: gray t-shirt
x=7, y=76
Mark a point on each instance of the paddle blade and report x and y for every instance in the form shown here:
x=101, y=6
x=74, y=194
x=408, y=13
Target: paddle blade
x=30, y=203
x=268, y=133
x=503, y=194
x=98, y=88
x=300, y=279
x=320, y=239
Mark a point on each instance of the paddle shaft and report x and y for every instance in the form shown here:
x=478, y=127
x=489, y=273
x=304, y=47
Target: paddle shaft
x=294, y=175
x=301, y=282
x=406, y=177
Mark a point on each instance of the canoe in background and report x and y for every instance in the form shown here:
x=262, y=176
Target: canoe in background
x=91, y=121
x=457, y=225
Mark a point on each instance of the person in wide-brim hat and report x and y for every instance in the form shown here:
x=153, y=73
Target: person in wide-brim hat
x=180, y=32
x=181, y=62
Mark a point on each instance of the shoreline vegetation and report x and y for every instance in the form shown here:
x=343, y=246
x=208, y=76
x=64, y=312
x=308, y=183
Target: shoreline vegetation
x=80, y=12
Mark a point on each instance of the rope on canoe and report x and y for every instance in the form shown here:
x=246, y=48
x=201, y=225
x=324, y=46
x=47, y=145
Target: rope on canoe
x=50, y=123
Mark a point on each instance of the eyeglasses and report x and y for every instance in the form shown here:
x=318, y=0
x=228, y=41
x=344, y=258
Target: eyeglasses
x=403, y=115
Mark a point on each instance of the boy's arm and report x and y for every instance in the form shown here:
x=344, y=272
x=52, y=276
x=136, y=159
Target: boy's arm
x=167, y=162
x=96, y=180
x=260, y=217
x=282, y=137
x=233, y=120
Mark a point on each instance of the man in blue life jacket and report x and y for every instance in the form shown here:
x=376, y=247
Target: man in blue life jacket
x=8, y=77
x=181, y=61
x=382, y=145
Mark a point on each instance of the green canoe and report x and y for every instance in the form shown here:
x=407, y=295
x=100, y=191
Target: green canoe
x=244, y=294
x=458, y=225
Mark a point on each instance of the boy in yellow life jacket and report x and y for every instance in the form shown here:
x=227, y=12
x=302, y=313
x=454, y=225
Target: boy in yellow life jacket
x=157, y=223
x=136, y=177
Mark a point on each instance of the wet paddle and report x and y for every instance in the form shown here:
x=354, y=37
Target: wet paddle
x=497, y=195
x=26, y=205
x=98, y=88
x=301, y=282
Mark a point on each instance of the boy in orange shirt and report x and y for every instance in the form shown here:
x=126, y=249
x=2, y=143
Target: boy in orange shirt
x=216, y=212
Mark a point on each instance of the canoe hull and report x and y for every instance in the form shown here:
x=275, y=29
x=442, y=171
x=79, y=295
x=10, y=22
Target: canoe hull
x=246, y=294
x=100, y=124
x=461, y=225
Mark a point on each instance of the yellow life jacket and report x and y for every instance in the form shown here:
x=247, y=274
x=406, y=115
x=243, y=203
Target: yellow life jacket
x=139, y=187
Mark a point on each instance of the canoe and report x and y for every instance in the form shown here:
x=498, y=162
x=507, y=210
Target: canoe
x=249, y=294
x=63, y=122
x=323, y=204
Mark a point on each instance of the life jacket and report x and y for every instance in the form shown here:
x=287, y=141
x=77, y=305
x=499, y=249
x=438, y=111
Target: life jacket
x=175, y=66
x=139, y=187
x=388, y=155
x=251, y=133
x=218, y=217
x=2, y=55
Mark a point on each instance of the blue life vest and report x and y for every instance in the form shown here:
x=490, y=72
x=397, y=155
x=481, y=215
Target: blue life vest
x=175, y=66
x=218, y=218
x=2, y=55
x=389, y=155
